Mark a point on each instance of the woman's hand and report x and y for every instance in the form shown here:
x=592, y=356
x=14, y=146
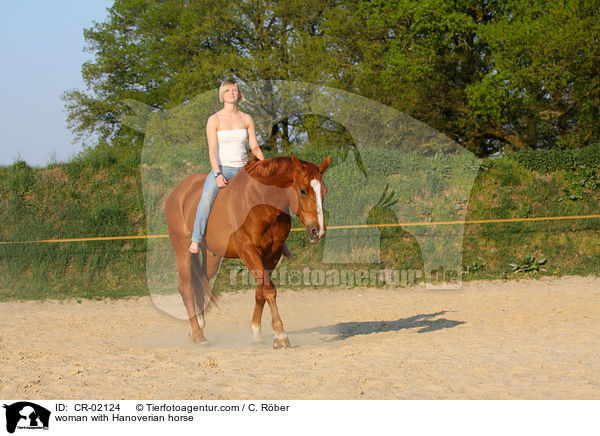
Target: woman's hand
x=221, y=181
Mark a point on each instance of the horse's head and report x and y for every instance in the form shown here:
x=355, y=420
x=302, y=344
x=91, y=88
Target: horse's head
x=307, y=194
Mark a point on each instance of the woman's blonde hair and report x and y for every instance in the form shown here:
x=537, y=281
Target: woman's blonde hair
x=225, y=85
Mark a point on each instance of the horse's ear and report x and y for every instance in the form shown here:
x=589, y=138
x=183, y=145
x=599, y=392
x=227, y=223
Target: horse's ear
x=296, y=162
x=325, y=164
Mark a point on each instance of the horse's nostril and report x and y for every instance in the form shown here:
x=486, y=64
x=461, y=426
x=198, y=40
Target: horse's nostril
x=312, y=233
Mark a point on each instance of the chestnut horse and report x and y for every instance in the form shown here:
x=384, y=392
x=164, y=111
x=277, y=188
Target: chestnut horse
x=249, y=220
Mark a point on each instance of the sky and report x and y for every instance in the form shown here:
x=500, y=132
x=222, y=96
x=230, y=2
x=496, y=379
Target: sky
x=41, y=57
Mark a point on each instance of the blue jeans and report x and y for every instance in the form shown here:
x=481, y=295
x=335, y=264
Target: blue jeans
x=209, y=192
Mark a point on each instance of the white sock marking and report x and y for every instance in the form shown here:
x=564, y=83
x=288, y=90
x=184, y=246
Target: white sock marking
x=201, y=321
x=256, y=336
x=316, y=185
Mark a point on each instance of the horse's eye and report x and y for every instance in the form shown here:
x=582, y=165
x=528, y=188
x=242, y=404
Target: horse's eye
x=303, y=192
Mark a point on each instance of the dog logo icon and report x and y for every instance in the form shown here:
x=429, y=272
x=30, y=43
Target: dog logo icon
x=26, y=415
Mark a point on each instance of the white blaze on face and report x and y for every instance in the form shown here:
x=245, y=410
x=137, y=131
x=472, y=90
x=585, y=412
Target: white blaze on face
x=316, y=185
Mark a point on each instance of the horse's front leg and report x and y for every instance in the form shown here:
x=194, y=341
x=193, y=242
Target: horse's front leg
x=265, y=292
x=257, y=317
x=281, y=339
x=269, y=293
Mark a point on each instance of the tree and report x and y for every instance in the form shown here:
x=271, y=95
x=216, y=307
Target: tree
x=543, y=87
x=417, y=57
x=490, y=75
x=160, y=53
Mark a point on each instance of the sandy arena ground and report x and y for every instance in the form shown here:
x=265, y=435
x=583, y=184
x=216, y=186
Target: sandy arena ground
x=489, y=340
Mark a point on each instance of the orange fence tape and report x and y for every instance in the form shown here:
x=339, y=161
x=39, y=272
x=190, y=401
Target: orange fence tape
x=350, y=226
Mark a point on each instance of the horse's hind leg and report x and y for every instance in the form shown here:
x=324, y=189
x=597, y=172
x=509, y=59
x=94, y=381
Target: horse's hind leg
x=212, y=264
x=212, y=267
x=186, y=289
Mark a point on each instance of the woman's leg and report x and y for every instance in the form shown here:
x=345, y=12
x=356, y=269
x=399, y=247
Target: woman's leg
x=229, y=172
x=209, y=192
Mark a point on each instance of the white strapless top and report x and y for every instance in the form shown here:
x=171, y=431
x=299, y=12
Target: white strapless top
x=232, y=147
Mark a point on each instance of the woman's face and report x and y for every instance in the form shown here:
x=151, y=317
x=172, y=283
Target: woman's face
x=231, y=94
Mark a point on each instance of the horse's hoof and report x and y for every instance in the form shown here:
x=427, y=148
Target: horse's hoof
x=199, y=339
x=256, y=343
x=280, y=344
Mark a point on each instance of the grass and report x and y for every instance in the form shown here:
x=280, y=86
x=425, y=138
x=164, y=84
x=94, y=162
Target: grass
x=111, y=190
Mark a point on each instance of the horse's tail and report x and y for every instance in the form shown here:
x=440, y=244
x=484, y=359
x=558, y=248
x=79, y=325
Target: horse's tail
x=204, y=297
x=179, y=233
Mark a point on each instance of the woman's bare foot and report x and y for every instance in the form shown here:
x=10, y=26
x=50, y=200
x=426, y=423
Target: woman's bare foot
x=286, y=251
x=194, y=247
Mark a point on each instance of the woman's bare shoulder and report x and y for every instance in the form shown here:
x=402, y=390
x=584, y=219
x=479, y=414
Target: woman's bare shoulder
x=213, y=120
x=248, y=121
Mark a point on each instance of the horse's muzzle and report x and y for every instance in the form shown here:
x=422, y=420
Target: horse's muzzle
x=312, y=233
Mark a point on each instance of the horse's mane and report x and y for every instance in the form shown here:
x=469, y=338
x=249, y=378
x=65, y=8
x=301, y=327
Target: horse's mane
x=278, y=170
x=274, y=171
x=268, y=168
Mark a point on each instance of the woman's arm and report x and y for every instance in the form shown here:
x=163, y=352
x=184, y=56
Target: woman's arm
x=213, y=144
x=256, y=151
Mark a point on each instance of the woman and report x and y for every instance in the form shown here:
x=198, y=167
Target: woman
x=227, y=131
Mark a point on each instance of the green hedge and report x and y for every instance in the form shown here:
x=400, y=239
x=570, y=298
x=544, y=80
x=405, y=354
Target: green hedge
x=545, y=161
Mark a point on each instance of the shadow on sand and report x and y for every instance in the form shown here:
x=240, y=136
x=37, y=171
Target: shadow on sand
x=345, y=330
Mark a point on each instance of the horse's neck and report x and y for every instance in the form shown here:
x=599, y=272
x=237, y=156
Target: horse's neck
x=246, y=192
